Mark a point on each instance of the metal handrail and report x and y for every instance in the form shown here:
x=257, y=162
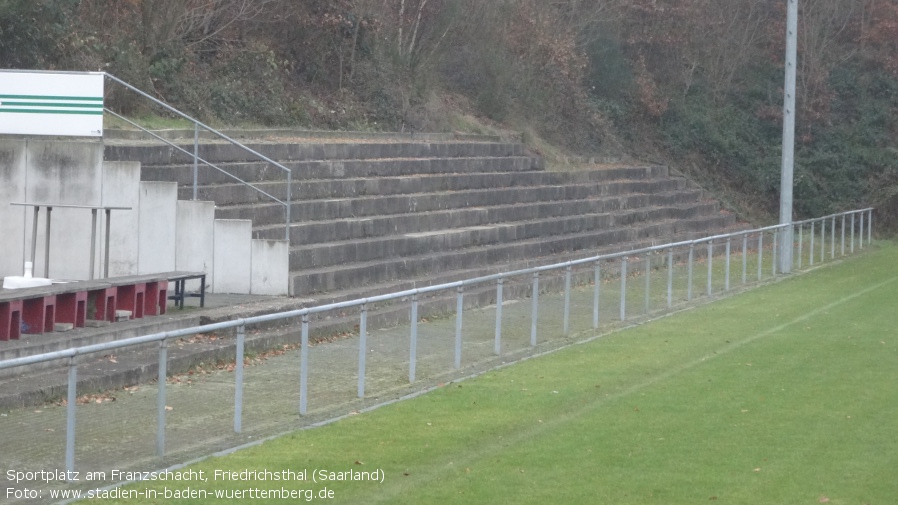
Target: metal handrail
x=197, y=124
x=201, y=160
x=71, y=353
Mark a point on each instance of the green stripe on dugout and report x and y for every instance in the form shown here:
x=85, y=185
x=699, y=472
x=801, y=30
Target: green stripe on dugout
x=5, y=103
x=98, y=112
x=45, y=104
x=51, y=97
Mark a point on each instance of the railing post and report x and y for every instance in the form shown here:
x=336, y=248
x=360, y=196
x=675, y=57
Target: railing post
x=497, y=344
x=413, y=340
x=304, y=367
x=800, y=243
x=106, y=251
x=843, y=234
x=289, y=210
x=238, y=379
x=534, y=309
x=760, y=254
x=870, y=227
x=648, y=280
x=669, y=278
x=709, y=289
x=689, y=272
x=623, y=288
x=93, y=242
x=822, y=240
x=47, y=241
x=459, y=307
x=811, y=247
x=744, y=258
x=196, y=157
x=34, y=221
x=852, y=232
x=860, y=242
x=726, y=281
x=595, y=296
x=363, y=346
x=566, y=323
x=162, y=377
x=832, y=242
x=71, y=402
x=773, y=252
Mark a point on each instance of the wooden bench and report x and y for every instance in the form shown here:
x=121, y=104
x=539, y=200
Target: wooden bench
x=40, y=308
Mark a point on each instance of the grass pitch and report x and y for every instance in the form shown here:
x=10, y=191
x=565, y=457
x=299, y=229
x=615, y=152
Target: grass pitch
x=784, y=394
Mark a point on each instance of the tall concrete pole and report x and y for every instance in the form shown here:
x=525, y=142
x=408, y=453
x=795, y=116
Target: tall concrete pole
x=786, y=235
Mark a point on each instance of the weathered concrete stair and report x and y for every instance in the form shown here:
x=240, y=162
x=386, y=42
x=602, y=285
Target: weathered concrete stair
x=370, y=217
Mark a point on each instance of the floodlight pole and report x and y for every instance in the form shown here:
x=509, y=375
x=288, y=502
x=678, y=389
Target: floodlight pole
x=786, y=233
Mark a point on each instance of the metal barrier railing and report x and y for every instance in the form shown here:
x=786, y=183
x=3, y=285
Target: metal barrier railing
x=627, y=264
x=197, y=159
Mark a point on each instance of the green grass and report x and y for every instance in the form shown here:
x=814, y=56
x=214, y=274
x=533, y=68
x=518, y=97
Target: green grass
x=784, y=394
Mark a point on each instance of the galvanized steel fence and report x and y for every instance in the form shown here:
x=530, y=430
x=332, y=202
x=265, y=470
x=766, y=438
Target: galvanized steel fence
x=816, y=239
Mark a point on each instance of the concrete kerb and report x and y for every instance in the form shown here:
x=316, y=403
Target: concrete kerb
x=280, y=133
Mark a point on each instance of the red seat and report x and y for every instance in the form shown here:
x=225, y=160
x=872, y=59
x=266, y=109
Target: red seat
x=72, y=308
x=39, y=314
x=156, y=298
x=10, y=320
x=131, y=297
x=102, y=301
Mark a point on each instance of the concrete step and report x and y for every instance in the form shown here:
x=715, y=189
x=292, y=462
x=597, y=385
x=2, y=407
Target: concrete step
x=30, y=344
x=471, y=295
x=332, y=278
x=333, y=169
x=310, y=256
x=316, y=232
x=235, y=192
x=349, y=208
x=130, y=137
x=303, y=151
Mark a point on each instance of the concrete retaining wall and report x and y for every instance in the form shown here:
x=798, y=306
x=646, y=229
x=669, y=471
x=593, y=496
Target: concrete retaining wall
x=158, y=234
x=157, y=216
x=270, y=267
x=195, y=236
x=12, y=218
x=63, y=174
x=232, y=270
x=121, y=181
